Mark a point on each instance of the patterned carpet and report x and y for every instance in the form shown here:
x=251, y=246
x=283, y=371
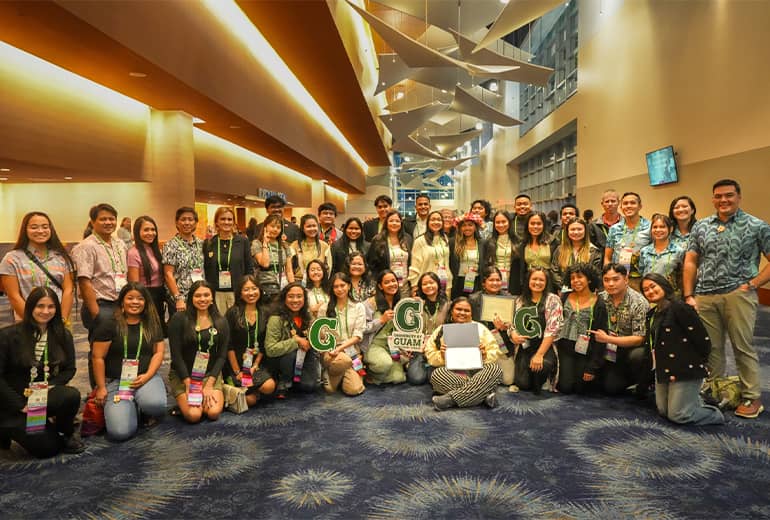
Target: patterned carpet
x=388, y=454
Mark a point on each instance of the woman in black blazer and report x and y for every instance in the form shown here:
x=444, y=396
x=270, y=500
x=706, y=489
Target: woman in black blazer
x=392, y=249
x=680, y=348
x=35, y=352
x=226, y=258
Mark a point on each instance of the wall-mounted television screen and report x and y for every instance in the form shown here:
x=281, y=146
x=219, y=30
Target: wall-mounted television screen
x=661, y=166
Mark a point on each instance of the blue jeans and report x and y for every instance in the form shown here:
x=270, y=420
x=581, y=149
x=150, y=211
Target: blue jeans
x=122, y=419
x=680, y=402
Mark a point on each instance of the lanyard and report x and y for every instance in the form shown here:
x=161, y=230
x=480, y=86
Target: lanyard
x=229, y=253
x=138, y=346
x=319, y=295
x=46, y=368
x=110, y=252
x=212, y=333
x=343, y=315
x=251, y=340
x=466, y=256
x=392, y=251
x=438, y=251
x=591, y=317
x=317, y=248
x=506, y=252
x=633, y=234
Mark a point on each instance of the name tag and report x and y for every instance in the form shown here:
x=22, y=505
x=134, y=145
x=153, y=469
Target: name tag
x=581, y=345
x=283, y=281
x=470, y=280
x=37, y=407
x=120, y=281
x=399, y=269
x=500, y=342
x=248, y=362
x=197, y=275
x=200, y=365
x=225, y=280
x=128, y=373
x=442, y=277
x=298, y=364
x=504, y=277
x=624, y=257
x=195, y=395
x=611, y=354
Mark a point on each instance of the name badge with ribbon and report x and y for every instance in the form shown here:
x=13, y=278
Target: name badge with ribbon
x=225, y=280
x=443, y=277
x=504, y=276
x=470, y=279
x=195, y=396
x=399, y=269
x=120, y=281
x=500, y=341
x=299, y=362
x=128, y=372
x=358, y=365
x=611, y=354
x=248, y=362
x=37, y=407
x=581, y=344
x=624, y=257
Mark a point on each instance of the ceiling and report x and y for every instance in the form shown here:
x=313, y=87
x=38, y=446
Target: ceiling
x=303, y=32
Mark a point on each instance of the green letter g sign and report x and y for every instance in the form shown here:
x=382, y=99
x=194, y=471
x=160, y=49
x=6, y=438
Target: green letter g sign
x=320, y=334
x=408, y=315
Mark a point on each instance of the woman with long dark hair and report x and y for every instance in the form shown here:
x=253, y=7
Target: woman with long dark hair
x=344, y=364
x=245, y=355
x=317, y=284
x=501, y=252
x=199, y=338
x=535, y=358
x=536, y=248
x=680, y=348
x=37, y=360
x=463, y=389
x=309, y=247
x=682, y=213
x=492, y=285
x=581, y=355
x=37, y=259
x=383, y=365
x=391, y=249
x=273, y=259
x=145, y=264
x=291, y=358
x=434, y=309
x=430, y=253
x=466, y=255
x=663, y=256
x=127, y=353
x=352, y=241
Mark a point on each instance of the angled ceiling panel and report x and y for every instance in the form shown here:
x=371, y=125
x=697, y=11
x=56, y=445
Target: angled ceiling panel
x=392, y=69
x=468, y=15
x=447, y=143
x=401, y=124
x=515, y=14
x=409, y=145
x=465, y=103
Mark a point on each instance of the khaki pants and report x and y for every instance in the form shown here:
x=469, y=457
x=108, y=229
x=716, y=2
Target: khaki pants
x=224, y=301
x=341, y=373
x=732, y=315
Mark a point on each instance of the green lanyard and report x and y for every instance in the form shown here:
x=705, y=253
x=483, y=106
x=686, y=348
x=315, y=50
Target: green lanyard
x=591, y=316
x=212, y=333
x=109, y=252
x=506, y=253
x=438, y=252
x=633, y=234
x=466, y=256
x=392, y=252
x=249, y=339
x=343, y=315
x=319, y=295
x=229, y=254
x=138, y=347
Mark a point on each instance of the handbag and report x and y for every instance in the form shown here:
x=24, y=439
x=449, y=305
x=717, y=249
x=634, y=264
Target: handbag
x=722, y=392
x=93, y=417
x=235, y=398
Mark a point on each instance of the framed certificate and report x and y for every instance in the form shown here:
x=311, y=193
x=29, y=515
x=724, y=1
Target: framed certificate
x=462, y=346
x=501, y=306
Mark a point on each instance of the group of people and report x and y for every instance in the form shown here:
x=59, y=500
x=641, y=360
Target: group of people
x=620, y=304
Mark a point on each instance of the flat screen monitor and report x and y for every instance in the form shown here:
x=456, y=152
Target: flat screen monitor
x=661, y=166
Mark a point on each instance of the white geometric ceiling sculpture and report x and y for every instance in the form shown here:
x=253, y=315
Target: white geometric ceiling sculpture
x=401, y=124
x=465, y=103
x=445, y=117
x=446, y=143
x=410, y=145
x=378, y=180
x=515, y=14
x=525, y=73
x=411, y=181
x=392, y=69
x=465, y=15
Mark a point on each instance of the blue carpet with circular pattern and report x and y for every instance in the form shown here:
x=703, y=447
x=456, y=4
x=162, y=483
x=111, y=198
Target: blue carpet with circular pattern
x=388, y=455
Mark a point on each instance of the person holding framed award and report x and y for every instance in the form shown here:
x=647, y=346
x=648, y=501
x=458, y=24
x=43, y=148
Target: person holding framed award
x=463, y=388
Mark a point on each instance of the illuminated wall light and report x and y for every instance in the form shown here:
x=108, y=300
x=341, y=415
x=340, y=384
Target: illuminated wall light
x=3, y=178
x=5, y=169
x=137, y=74
x=233, y=18
x=68, y=178
x=493, y=86
x=67, y=86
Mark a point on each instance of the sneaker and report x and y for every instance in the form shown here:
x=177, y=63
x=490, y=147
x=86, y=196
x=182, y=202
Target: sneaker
x=749, y=408
x=73, y=444
x=491, y=400
x=443, y=402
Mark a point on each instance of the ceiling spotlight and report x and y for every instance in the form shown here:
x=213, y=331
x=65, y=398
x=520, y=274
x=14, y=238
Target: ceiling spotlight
x=234, y=127
x=399, y=95
x=493, y=86
x=443, y=91
x=137, y=74
x=3, y=178
x=407, y=159
x=68, y=178
x=5, y=169
x=479, y=125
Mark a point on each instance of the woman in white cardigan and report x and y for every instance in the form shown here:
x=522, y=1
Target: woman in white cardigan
x=430, y=254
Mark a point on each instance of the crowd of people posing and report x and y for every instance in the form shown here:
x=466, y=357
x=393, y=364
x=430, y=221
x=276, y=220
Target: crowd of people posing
x=623, y=304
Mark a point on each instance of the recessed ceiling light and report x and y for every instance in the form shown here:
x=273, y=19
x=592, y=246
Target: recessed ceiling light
x=68, y=178
x=234, y=127
x=137, y=74
x=3, y=178
x=443, y=91
x=5, y=169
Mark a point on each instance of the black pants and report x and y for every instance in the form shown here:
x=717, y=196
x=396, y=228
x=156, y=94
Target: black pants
x=159, y=299
x=572, y=366
x=525, y=378
x=418, y=373
x=632, y=367
x=63, y=405
x=282, y=369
